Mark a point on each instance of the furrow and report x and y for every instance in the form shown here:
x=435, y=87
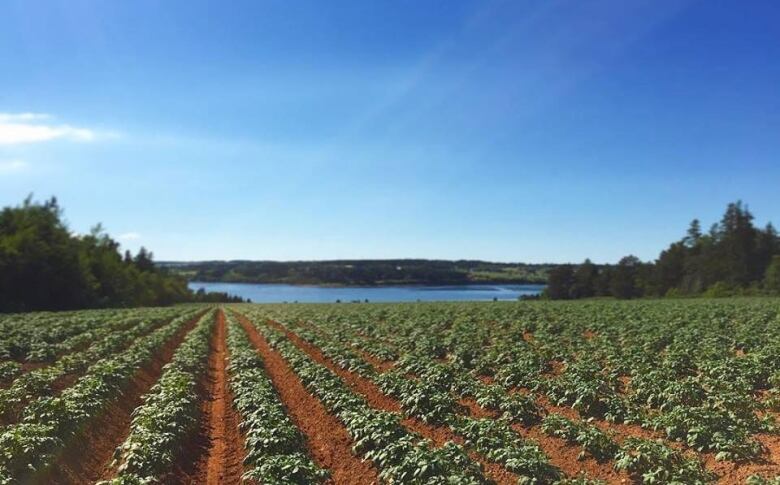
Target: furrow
x=439, y=435
x=328, y=442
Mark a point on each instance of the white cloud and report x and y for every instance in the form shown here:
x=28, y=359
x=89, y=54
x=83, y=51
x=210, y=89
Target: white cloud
x=16, y=117
x=20, y=128
x=129, y=236
x=8, y=166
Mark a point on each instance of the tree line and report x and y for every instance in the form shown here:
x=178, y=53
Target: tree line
x=362, y=272
x=44, y=266
x=733, y=258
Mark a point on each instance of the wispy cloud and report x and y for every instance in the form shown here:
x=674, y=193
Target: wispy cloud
x=129, y=236
x=9, y=166
x=24, y=128
x=23, y=117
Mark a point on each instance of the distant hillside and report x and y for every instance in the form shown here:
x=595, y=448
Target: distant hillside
x=362, y=272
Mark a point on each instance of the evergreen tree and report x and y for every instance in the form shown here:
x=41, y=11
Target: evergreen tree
x=623, y=283
x=772, y=276
x=144, y=260
x=670, y=268
x=694, y=234
x=584, y=280
x=560, y=282
x=733, y=255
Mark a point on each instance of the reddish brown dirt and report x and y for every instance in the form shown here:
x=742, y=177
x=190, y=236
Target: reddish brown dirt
x=378, y=364
x=25, y=367
x=62, y=382
x=475, y=410
x=564, y=456
x=55, y=388
x=28, y=366
x=13, y=415
x=87, y=457
x=625, y=384
x=31, y=366
x=557, y=368
x=439, y=435
x=727, y=471
x=767, y=466
x=561, y=454
x=619, y=430
x=327, y=440
x=216, y=454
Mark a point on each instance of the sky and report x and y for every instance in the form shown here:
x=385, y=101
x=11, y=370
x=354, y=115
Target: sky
x=534, y=131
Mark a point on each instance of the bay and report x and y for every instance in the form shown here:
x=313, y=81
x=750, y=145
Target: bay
x=276, y=293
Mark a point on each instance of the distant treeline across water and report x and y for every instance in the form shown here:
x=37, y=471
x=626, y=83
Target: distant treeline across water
x=391, y=272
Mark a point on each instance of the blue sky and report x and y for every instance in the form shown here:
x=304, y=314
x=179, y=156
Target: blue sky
x=502, y=130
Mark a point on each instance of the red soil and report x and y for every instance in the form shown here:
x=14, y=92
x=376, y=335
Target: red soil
x=55, y=388
x=561, y=454
x=619, y=431
x=768, y=465
x=378, y=364
x=557, y=368
x=327, y=440
x=25, y=367
x=86, y=458
x=216, y=454
x=28, y=366
x=439, y=435
x=13, y=415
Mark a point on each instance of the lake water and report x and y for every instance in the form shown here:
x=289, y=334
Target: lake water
x=270, y=293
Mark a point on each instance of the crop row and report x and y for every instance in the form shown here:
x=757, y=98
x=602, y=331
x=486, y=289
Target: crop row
x=454, y=378
x=49, y=424
x=107, y=340
x=169, y=413
x=275, y=448
x=41, y=337
x=430, y=399
x=401, y=456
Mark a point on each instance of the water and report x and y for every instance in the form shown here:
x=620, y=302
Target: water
x=271, y=293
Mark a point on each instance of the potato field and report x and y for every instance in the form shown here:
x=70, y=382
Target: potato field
x=674, y=391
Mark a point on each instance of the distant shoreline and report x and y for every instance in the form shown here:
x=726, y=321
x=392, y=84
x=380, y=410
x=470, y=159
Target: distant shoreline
x=378, y=285
x=366, y=273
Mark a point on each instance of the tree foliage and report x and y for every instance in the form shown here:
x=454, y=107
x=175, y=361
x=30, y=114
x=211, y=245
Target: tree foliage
x=44, y=266
x=734, y=257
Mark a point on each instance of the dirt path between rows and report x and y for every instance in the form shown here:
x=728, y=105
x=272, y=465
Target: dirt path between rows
x=62, y=382
x=563, y=455
x=439, y=435
x=560, y=453
x=328, y=442
x=215, y=455
x=728, y=472
x=24, y=368
x=88, y=456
